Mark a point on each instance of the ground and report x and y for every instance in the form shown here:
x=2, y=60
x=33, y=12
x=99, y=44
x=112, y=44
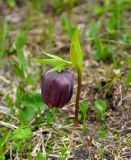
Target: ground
x=105, y=35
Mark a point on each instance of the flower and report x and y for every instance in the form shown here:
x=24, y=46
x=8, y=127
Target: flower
x=57, y=88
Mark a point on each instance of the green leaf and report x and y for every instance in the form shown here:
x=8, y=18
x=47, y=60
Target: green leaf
x=3, y=38
x=76, y=54
x=67, y=27
x=52, y=56
x=11, y=3
x=22, y=133
x=10, y=103
x=84, y=107
x=50, y=115
x=2, y=157
x=5, y=138
x=55, y=61
x=19, y=71
x=22, y=60
x=128, y=59
x=57, y=68
x=113, y=22
x=29, y=79
x=30, y=157
x=102, y=130
x=100, y=107
x=102, y=52
x=128, y=78
x=20, y=40
x=40, y=156
x=93, y=30
x=34, y=100
x=28, y=113
x=32, y=104
x=99, y=10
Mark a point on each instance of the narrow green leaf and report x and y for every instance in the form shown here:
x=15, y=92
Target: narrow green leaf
x=93, y=30
x=128, y=78
x=10, y=102
x=128, y=59
x=39, y=156
x=19, y=71
x=67, y=27
x=51, y=55
x=76, y=54
x=53, y=62
x=20, y=40
x=5, y=138
x=57, y=68
x=3, y=38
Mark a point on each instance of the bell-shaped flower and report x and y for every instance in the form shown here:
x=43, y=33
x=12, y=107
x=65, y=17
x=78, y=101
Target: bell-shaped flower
x=57, y=88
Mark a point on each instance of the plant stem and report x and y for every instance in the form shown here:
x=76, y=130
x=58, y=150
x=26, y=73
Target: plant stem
x=78, y=98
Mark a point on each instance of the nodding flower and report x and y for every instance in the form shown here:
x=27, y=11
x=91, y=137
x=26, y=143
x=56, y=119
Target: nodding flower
x=57, y=88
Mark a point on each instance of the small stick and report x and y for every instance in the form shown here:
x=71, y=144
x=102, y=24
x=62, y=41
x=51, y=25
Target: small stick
x=8, y=125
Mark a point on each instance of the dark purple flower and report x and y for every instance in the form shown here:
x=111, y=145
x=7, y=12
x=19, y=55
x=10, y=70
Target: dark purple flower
x=57, y=88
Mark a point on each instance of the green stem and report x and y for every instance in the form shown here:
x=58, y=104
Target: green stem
x=78, y=97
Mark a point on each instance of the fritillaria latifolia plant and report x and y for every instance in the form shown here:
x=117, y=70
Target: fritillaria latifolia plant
x=57, y=82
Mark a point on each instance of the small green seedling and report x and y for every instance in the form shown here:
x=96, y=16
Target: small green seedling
x=100, y=108
x=93, y=30
x=3, y=38
x=59, y=64
x=84, y=107
x=102, y=130
x=102, y=52
x=64, y=152
x=113, y=22
x=40, y=156
x=22, y=133
x=67, y=27
x=36, y=6
x=59, y=6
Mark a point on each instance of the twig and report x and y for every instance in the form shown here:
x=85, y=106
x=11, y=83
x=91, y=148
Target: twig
x=43, y=146
x=8, y=125
x=4, y=79
x=49, y=136
x=11, y=152
x=36, y=149
x=6, y=110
